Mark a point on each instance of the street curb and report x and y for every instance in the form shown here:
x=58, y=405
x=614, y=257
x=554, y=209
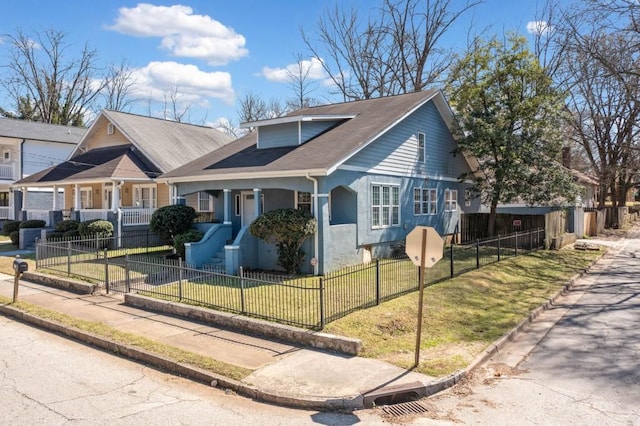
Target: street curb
x=348, y=403
x=499, y=344
x=181, y=369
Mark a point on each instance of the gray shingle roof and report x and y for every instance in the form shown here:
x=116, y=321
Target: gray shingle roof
x=371, y=118
x=169, y=144
x=34, y=130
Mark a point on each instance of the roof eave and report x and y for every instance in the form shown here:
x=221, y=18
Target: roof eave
x=243, y=176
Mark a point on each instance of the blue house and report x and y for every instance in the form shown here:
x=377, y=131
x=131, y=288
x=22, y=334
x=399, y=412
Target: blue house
x=369, y=171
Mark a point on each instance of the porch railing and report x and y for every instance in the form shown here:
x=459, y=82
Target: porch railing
x=5, y=212
x=130, y=217
x=92, y=214
x=6, y=171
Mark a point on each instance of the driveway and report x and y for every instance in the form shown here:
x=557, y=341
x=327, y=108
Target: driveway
x=577, y=364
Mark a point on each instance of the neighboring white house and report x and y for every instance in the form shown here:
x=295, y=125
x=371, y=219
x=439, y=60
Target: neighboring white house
x=27, y=147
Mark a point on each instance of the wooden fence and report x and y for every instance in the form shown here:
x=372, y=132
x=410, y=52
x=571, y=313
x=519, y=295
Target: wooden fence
x=473, y=226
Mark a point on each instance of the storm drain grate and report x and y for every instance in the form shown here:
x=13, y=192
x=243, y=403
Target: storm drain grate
x=405, y=408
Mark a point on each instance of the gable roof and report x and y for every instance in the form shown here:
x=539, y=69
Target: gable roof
x=155, y=146
x=114, y=162
x=167, y=144
x=34, y=130
x=361, y=122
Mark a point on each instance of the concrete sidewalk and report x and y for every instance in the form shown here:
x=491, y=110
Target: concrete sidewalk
x=282, y=373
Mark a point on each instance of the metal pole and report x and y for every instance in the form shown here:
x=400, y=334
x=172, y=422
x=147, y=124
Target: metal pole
x=16, y=280
x=322, y=319
x=420, y=296
x=377, y=281
x=477, y=254
x=106, y=270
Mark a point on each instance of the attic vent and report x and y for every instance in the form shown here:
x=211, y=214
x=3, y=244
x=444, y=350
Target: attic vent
x=110, y=129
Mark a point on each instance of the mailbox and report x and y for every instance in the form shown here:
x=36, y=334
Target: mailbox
x=20, y=266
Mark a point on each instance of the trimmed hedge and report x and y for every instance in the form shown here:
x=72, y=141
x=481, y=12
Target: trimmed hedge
x=10, y=226
x=67, y=225
x=15, y=238
x=91, y=228
x=33, y=223
x=190, y=236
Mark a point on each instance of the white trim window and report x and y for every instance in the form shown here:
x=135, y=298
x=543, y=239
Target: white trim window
x=425, y=201
x=450, y=200
x=145, y=196
x=86, y=197
x=385, y=206
x=303, y=201
x=422, y=149
x=205, y=202
x=468, y=195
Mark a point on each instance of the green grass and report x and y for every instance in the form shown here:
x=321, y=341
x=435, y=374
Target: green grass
x=161, y=349
x=462, y=316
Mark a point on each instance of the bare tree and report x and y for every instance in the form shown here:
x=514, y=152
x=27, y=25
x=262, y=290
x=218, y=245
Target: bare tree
x=61, y=89
x=398, y=51
x=174, y=108
x=599, y=72
x=301, y=84
x=118, y=87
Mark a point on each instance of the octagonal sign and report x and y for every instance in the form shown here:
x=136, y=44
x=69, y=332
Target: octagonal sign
x=429, y=237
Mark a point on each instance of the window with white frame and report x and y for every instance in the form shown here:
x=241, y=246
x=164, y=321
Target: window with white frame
x=422, y=153
x=303, y=201
x=86, y=198
x=385, y=206
x=110, y=129
x=425, y=201
x=467, y=197
x=145, y=196
x=450, y=200
x=205, y=202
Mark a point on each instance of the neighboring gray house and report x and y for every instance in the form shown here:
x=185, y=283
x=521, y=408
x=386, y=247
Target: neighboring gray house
x=369, y=171
x=28, y=147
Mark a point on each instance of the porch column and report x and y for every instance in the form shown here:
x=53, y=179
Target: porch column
x=173, y=194
x=54, y=206
x=76, y=198
x=115, y=196
x=322, y=216
x=257, y=192
x=227, y=206
x=24, y=198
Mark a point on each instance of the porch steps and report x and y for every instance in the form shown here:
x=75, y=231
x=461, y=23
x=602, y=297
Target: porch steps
x=218, y=260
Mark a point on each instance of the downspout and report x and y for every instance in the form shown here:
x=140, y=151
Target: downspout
x=21, y=164
x=316, y=241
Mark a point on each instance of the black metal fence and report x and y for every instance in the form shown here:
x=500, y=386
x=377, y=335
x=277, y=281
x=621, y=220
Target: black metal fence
x=309, y=302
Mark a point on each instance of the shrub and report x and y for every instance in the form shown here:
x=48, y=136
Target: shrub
x=72, y=234
x=15, y=238
x=99, y=227
x=55, y=235
x=190, y=236
x=169, y=221
x=287, y=229
x=33, y=223
x=10, y=226
x=67, y=225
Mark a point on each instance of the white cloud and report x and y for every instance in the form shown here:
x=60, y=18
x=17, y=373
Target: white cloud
x=539, y=27
x=183, y=33
x=192, y=85
x=283, y=75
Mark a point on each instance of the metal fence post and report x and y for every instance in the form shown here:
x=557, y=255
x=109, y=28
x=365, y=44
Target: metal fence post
x=242, y=301
x=321, y=289
x=127, y=278
x=478, y=254
x=531, y=240
x=516, y=249
x=106, y=270
x=180, y=277
x=377, y=281
x=69, y=258
x=498, y=247
x=451, y=259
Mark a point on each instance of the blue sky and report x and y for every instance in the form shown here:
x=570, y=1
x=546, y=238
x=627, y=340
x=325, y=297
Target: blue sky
x=214, y=51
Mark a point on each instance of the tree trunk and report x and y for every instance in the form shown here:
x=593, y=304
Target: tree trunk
x=493, y=213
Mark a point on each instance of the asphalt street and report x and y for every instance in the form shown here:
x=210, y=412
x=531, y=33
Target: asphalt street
x=583, y=370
